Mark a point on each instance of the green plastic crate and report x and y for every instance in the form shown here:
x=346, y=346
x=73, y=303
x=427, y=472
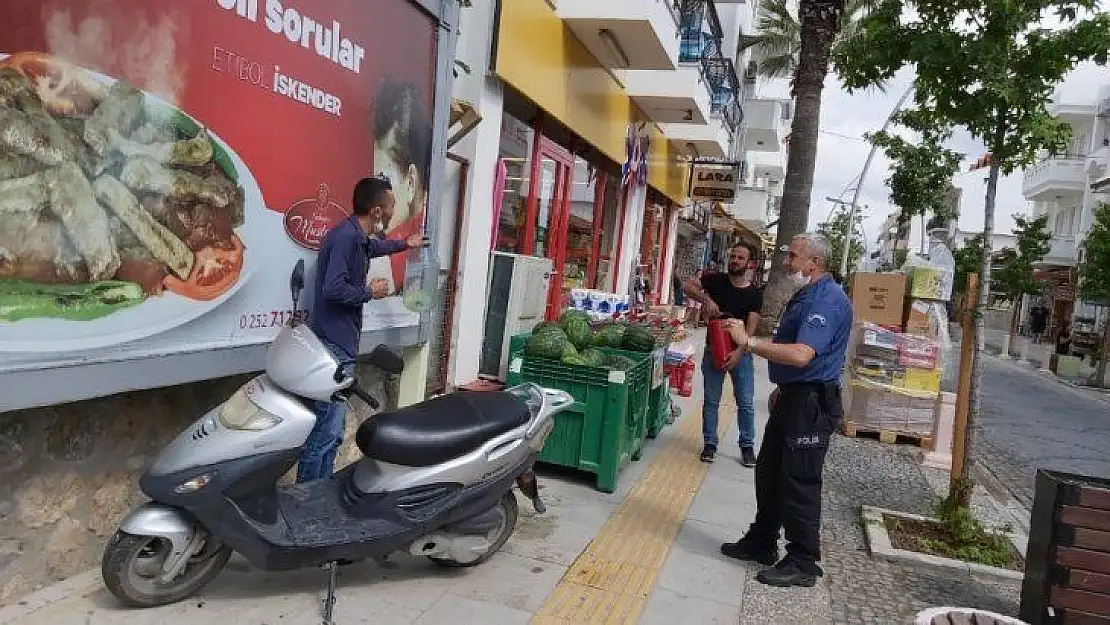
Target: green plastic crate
x=606, y=427
x=659, y=410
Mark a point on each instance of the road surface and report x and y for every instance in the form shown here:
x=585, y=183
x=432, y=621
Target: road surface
x=1030, y=421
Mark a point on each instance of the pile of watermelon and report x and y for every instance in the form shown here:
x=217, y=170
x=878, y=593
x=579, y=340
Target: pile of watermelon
x=573, y=342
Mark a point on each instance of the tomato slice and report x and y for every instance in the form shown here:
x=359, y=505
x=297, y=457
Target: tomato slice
x=64, y=88
x=217, y=268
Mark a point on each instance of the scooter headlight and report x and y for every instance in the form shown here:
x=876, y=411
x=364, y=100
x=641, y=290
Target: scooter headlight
x=240, y=413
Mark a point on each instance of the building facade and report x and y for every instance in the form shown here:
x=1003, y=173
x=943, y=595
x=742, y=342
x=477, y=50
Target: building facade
x=1067, y=187
x=584, y=120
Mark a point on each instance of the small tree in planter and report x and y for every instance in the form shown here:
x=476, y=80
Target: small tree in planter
x=1094, y=277
x=1015, y=277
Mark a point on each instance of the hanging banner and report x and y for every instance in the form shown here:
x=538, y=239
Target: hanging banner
x=164, y=164
x=714, y=183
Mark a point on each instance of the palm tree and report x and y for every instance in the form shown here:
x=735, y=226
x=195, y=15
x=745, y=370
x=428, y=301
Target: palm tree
x=778, y=39
x=817, y=29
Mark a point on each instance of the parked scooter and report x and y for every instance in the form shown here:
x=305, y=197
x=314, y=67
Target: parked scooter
x=436, y=479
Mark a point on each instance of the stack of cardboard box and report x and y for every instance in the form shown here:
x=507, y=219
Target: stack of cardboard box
x=894, y=366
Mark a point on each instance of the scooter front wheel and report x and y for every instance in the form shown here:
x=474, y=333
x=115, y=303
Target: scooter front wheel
x=498, y=536
x=132, y=567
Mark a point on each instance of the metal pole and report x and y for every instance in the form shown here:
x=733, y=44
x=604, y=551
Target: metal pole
x=862, y=176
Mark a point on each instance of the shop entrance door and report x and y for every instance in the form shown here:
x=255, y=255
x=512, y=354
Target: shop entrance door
x=549, y=214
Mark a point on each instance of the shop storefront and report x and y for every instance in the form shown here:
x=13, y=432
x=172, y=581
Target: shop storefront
x=563, y=164
x=570, y=214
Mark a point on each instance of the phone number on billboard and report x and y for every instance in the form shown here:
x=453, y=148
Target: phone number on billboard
x=272, y=319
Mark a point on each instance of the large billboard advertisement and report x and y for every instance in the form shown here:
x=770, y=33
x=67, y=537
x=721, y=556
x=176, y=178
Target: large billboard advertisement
x=164, y=164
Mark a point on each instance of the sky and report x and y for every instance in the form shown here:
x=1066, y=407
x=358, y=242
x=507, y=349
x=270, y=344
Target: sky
x=842, y=151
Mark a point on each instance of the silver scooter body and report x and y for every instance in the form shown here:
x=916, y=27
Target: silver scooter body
x=218, y=479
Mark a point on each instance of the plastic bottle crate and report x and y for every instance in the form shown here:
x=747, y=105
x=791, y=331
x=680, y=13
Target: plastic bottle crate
x=607, y=425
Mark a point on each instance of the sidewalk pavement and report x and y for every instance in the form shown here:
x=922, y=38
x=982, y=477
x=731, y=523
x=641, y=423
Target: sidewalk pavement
x=648, y=553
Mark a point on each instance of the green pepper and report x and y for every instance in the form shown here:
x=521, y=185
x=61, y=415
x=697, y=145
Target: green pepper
x=75, y=302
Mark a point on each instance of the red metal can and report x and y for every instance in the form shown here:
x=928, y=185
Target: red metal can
x=720, y=343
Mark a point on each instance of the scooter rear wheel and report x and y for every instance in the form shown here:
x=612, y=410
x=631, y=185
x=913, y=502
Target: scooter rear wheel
x=509, y=506
x=131, y=566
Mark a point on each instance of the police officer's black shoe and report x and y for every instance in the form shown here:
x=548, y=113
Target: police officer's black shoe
x=708, y=452
x=747, y=457
x=789, y=572
x=749, y=551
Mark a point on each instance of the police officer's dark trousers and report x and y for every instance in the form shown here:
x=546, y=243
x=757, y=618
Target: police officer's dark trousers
x=788, y=471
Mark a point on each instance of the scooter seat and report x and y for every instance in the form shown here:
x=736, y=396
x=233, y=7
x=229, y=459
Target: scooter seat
x=440, y=429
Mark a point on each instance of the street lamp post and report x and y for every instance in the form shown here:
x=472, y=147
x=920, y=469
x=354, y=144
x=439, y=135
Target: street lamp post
x=863, y=174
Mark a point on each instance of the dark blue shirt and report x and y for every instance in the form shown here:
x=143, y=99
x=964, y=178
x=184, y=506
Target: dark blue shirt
x=819, y=315
x=340, y=289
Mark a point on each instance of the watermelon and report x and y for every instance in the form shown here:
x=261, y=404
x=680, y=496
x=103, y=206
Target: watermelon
x=545, y=326
x=638, y=339
x=548, y=343
x=571, y=314
x=578, y=331
x=593, y=357
x=610, y=335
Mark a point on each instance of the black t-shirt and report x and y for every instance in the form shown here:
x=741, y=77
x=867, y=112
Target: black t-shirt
x=734, y=302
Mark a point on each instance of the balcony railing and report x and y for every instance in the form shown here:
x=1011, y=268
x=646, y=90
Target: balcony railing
x=701, y=36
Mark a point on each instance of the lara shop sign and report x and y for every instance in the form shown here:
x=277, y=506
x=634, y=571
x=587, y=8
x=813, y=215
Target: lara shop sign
x=164, y=164
x=714, y=183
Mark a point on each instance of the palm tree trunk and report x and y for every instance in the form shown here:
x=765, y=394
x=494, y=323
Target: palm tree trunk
x=820, y=22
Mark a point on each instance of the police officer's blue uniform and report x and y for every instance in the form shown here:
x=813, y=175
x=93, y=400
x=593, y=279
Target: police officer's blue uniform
x=792, y=456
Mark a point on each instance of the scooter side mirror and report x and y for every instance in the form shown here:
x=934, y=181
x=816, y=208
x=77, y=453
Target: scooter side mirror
x=386, y=359
x=296, y=282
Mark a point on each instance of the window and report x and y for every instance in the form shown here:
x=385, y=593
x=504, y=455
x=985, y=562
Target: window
x=580, y=230
x=516, y=155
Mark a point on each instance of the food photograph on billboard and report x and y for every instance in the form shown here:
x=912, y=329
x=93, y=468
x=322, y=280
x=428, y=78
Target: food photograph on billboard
x=163, y=165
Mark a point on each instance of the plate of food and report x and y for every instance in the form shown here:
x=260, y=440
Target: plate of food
x=121, y=216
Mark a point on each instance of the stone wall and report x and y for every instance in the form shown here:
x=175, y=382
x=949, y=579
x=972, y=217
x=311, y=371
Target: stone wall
x=69, y=473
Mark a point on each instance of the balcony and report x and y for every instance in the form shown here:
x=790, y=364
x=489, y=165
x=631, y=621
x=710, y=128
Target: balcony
x=669, y=97
x=763, y=128
x=625, y=34
x=767, y=165
x=1053, y=177
x=1064, y=252
x=708, y=140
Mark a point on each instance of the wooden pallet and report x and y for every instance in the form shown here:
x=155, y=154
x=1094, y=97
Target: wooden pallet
x=891, y=437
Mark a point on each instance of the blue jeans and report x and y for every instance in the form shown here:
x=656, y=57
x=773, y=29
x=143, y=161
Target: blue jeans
x=743, y=387
x=318, y=457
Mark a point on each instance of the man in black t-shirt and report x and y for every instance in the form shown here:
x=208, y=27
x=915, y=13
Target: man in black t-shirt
x=733, y=295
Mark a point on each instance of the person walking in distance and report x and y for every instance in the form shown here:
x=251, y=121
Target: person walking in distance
x=730, y=294
x=805, y=359
x=339, y=292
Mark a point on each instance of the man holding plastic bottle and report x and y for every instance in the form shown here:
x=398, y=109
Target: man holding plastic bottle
x=730, y=294
x=805, y=359
x=339, y=292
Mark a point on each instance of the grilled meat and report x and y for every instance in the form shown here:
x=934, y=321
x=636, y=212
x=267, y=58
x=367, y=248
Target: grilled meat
x=72, y=200
x=162, y=243
x=120, y=112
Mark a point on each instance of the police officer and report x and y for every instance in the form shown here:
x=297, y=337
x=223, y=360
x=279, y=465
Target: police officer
x=806, y=357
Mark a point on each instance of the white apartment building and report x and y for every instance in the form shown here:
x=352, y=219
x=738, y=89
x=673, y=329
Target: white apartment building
x=762, y=141
x=1067, y=187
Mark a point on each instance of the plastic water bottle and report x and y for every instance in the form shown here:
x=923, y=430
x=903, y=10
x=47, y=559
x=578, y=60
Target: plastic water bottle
x=421, y=276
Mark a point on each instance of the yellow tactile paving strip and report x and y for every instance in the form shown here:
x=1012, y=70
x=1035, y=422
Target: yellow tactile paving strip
x=611, y=579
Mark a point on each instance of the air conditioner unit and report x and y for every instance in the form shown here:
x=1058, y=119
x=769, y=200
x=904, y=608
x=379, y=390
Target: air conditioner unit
x=516, y=300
